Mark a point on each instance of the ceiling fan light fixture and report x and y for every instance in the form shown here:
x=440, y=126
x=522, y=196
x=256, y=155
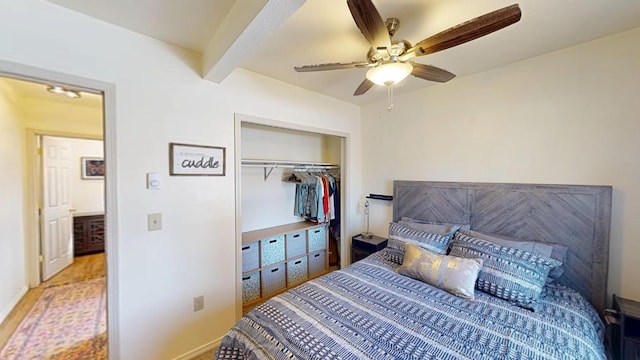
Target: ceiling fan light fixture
x=389, y=73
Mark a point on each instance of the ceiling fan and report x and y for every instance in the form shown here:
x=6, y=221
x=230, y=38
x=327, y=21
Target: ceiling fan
x=389, y=60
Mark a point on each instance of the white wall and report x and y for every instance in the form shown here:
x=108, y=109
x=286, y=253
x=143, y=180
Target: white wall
x=13, y=279
x=568, y=117
x=88, y=194
x=161, y=98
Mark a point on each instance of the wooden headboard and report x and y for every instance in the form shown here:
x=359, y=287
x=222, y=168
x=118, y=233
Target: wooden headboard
x=577, y=216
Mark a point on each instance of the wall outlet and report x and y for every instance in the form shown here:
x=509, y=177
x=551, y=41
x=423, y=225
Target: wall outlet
x=154, y=221
x=198, y=303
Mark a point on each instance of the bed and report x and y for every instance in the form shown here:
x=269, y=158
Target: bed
x=369, y=310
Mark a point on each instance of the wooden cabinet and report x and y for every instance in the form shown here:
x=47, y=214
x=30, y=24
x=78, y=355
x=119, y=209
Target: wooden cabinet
x=626, y=342
x=88, y=234
x=281, y=257
x=361, y=246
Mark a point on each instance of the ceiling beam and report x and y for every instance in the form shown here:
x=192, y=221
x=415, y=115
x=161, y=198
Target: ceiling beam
x=245, y=27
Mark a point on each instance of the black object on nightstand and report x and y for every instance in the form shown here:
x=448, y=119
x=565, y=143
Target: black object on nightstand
x=361, y=246
x=626, y=335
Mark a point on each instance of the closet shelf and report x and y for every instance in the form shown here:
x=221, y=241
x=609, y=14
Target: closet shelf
x=272, y=164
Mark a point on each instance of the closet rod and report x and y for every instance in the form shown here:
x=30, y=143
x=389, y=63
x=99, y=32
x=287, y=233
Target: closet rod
x=272, y=164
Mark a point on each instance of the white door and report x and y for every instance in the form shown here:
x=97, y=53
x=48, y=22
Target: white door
x=56, y=219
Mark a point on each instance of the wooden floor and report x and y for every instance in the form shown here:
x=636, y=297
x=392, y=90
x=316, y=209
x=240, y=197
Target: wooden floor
x=83, y=268
x=205, y=356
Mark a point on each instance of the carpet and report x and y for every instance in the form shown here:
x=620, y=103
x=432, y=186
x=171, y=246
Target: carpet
x=67, y=322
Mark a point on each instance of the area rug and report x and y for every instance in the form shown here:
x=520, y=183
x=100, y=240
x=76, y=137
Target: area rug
x=67, y=322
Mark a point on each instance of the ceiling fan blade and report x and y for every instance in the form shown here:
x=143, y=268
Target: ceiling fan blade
x=331, y=66
x=466, y=31
x=370, y=23
x=363, y=87
x=431, y=73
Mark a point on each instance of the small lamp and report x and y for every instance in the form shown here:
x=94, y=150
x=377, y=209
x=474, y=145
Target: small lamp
x=366, y=234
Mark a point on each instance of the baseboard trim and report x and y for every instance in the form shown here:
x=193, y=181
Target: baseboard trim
x=212, y=345
x=13, y=303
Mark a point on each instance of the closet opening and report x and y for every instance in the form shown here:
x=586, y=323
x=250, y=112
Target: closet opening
x=276, y=165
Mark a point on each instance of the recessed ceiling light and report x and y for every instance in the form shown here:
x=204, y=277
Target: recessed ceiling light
x=59, y=90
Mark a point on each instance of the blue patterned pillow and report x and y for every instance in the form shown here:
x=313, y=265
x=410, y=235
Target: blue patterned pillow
x=400, y=234
x=508, y=273
x=551, y=250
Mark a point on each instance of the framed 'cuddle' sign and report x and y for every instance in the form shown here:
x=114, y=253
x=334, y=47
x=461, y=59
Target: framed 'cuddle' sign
x=196, y=160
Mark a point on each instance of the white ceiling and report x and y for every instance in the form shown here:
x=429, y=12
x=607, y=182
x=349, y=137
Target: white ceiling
x=187, y=23
x=323, y=31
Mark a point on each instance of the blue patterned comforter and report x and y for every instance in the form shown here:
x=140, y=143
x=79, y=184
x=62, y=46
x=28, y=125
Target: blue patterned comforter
x=367, y=311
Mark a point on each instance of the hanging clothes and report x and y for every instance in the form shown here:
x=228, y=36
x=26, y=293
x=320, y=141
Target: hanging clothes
x=335, y=220
x=315, y=198
x=334, y=223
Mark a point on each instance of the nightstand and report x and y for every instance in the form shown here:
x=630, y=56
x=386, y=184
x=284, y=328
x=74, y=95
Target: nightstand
x=361, y=246
x=626, y=339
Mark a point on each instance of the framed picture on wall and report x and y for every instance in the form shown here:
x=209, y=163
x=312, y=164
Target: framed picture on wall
x=92, y=168
x=187, y=159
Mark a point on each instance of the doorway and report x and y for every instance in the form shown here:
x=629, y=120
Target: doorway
x=35, y=126
x=71, y=185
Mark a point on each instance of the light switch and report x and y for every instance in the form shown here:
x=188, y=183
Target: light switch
x=154, y=221
x=153, y=181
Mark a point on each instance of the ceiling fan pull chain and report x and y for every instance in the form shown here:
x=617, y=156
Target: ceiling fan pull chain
x=390, y=97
